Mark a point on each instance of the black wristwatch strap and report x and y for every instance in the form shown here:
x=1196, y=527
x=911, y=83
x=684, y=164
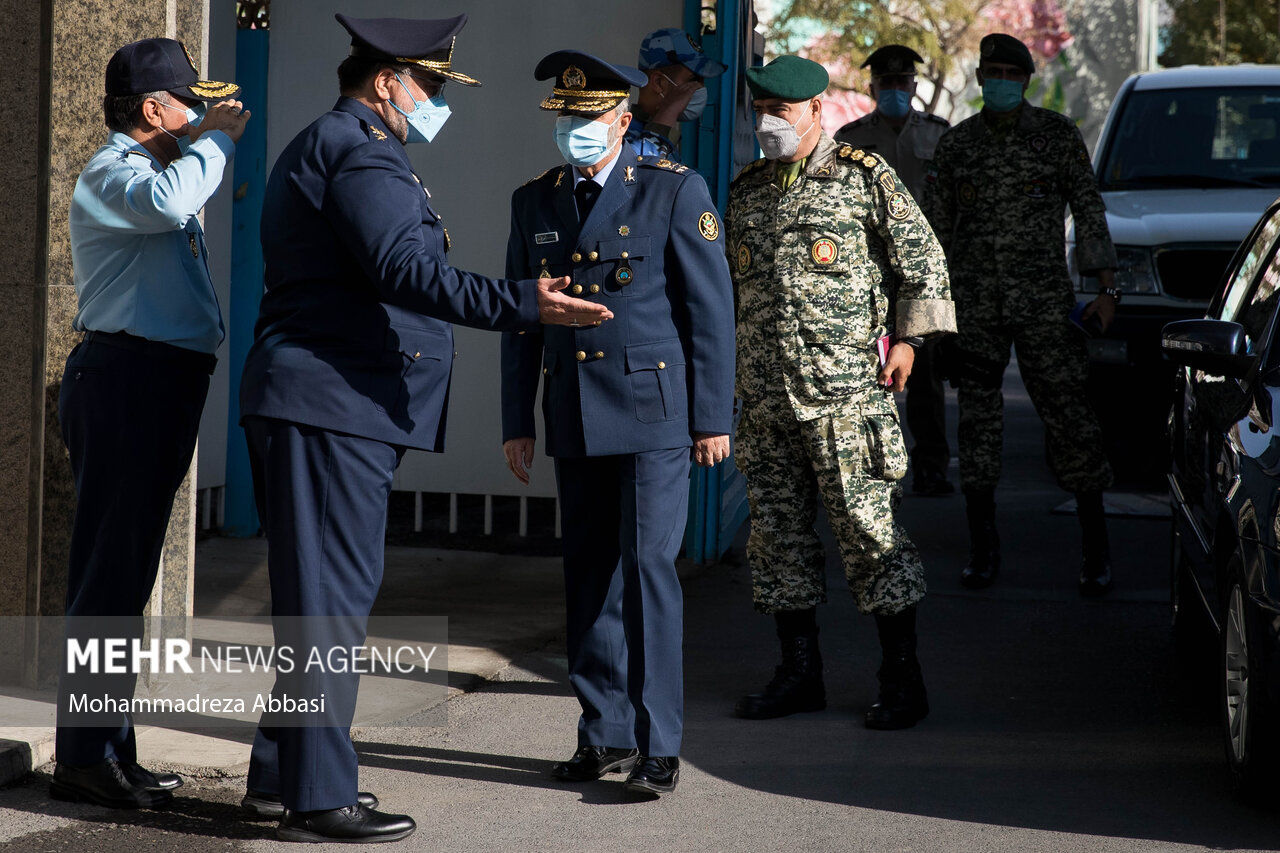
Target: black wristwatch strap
x=914, y=342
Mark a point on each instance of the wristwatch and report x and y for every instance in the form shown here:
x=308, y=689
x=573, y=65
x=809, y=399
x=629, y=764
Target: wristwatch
x=914, y=341
x=1113, y=292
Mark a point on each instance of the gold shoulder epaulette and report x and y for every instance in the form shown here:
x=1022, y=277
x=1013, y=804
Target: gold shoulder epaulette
x=138, y=153
x=751, y=167
x=540, y=177
x=664, y=163
x=857, y=155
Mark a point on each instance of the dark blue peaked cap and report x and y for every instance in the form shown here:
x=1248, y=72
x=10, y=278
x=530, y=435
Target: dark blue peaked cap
x=427, y=44
x=161, y=65
x=586, y=83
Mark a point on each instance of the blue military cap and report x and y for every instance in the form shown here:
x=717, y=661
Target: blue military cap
x=161, y=65
x=428, y=44
x=585, y=83
x=674, y=46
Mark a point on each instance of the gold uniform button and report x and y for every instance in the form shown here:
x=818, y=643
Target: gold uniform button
x=599, y=354
x=577, y=256
x=581, y=356
x=662, y=365
x=577, y=288
x=417, y=355
x=544, y=262
x=626, y=255
x=546, y=371
x=595, y=256
x=595, y=288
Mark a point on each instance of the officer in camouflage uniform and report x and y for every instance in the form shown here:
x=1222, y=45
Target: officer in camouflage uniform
x=829, y=255
x=906, y=138
x=996, y=196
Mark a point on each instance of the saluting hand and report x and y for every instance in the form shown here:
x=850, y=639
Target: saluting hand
x=554, y=308
x=519, y=453
x=229, y=117
x=897, y=367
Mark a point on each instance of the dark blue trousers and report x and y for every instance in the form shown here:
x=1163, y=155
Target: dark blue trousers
x=129, y=411
x=623, y=525
x=324, y=509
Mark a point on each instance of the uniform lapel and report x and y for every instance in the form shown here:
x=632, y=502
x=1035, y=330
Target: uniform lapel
x=614, y=194
x=566, y=206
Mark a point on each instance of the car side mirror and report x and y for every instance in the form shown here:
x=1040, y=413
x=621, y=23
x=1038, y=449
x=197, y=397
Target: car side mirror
x=1217, y=347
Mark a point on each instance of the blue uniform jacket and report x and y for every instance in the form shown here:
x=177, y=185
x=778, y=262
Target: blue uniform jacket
x=652, y=250
x=353, y=333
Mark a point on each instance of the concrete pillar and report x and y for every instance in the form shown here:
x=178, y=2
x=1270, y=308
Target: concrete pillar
x=50, y=123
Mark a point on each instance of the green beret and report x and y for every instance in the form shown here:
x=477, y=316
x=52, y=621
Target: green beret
x=791, y=78
x=999, y=47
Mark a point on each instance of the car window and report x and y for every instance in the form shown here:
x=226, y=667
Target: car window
x=1204, y=137
x=1255, y=287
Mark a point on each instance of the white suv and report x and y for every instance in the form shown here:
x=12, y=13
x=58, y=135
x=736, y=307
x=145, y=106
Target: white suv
x=1188, y=159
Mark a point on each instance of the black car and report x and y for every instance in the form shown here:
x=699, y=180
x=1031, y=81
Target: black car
x=1225, y=486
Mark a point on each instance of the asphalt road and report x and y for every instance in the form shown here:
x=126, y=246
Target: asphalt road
x=1057, y=725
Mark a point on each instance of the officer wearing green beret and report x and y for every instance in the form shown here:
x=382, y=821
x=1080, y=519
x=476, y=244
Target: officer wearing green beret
x=838, y=280
x=996, y=194
x=906, y=138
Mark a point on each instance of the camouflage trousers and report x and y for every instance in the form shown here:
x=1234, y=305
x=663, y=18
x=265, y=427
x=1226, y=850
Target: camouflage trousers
x=1053, y=363
x=853, y=460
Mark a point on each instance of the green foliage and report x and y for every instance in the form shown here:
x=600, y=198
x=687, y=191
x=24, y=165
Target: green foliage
x=1193, y=35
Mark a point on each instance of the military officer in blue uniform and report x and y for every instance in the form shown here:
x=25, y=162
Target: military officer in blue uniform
x=675, y=90
x=350, y=367
x=134, y=388
x=623, y=405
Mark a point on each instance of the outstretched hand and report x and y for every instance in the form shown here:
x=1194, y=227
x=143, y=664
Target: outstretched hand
x=554, y=308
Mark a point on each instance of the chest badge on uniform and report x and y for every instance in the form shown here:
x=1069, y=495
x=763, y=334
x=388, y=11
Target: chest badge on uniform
x=1038, y=143
x=966, y=193
x=624, y=230
x=1036, y=189
x=709, y=226
x=195, y=246
x=744, y=258
x=824, y=251
x=898, y=207
x=546, y=237
x=623, y=275
x=886, y=181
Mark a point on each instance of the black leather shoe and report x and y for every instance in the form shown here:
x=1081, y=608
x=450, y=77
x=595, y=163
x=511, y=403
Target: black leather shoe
x=654, y=776
x=144, y=778
x=356, y=824
x=593, y=762
x=984, y=541
x=932, y=484
x=796, y=686
x=105, y=784
x=264, y=806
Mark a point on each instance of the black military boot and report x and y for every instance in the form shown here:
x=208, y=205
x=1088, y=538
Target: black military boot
x=797, y=682
x=1095, y=569
x=903, y=701
x=984, y=542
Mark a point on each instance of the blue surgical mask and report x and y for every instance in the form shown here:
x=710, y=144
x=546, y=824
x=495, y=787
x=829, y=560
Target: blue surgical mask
x=1001, y=95
x=583, y=141
x=427, y=117
x=894, y=103
x=194, y=115
x=698, y=103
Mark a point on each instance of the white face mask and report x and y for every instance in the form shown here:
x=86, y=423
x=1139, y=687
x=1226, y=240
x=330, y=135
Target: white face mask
x=778, y=137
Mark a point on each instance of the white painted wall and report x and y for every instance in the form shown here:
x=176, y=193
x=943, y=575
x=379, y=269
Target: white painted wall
x=211, y=463
x=496, y=139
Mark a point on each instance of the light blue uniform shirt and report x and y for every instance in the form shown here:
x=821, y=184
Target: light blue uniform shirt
x=137, y=247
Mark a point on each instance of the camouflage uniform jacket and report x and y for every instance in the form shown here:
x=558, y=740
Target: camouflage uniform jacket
x=997, y=203
x=822, y=271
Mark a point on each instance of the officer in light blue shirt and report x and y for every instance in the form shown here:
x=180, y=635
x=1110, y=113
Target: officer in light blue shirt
x=134, y=388
x=677, y=69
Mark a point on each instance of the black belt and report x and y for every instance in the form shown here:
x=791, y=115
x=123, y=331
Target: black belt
x=202, y=361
